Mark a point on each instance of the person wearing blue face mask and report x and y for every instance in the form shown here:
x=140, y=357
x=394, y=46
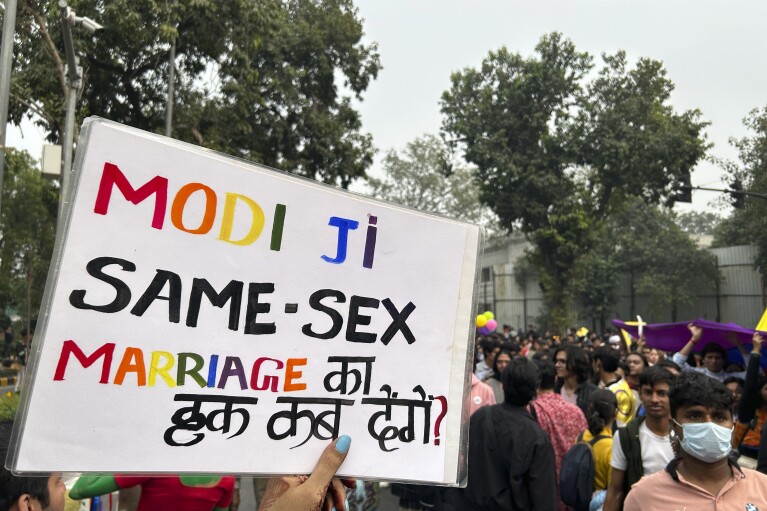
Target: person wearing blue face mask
x=701, y=476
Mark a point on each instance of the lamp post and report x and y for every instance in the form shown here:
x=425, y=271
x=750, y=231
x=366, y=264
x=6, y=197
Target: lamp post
x=74, y=81
x=6, y=60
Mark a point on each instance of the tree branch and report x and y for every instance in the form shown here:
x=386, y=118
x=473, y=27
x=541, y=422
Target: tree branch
x=36, y=109
x=50, y=46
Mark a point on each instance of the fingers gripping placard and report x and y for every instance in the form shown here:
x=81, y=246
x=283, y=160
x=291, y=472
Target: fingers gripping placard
x=221, y=317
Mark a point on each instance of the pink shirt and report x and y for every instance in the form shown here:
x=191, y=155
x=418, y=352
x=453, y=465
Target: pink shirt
x=481, y=394
x=746, y=491
x=562, y=422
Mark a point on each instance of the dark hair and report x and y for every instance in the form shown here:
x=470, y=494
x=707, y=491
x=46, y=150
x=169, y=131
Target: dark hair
x=13, y=487
x=608, y=357
x=548, y=373
x=489, y=344
x=520, y=382
x=734, y=379
x=692, y=388
x=601, y=410
x=496, y=372
x=655, y=375
x=668, y=363
x=577, y=362
x=640, y=355
x=713, y=347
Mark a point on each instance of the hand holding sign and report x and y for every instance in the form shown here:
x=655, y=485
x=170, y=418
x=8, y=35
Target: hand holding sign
x=318, y=491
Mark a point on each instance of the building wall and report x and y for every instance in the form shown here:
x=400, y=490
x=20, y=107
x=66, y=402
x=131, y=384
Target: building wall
x=738, y=299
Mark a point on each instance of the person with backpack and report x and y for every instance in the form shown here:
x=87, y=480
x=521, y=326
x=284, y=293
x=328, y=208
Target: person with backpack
x=511, y=465
x=586, y=467
x=642, y=447
x=560, y=420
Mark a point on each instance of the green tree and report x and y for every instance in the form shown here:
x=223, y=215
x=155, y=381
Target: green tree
x=665, y=263
x=697, y=222
x=661, y=262
x=425, y=177
x=748, y=224
x=556, y=153
x=28, y=220
x=597, y=282
x=271, y=81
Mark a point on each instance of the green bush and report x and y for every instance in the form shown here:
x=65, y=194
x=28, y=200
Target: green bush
x=8, y=404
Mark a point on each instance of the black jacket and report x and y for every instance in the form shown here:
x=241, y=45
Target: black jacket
x=511, y=463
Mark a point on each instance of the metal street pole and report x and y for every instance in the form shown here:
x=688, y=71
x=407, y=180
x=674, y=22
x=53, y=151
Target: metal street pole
x=171, y=77
x=74, y=82
x=6, y=61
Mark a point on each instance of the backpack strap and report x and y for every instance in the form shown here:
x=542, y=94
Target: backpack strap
x=532, y=411
x=596, y=439
x=632, y=450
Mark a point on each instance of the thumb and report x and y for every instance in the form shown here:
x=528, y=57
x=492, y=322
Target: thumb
x=329, y=463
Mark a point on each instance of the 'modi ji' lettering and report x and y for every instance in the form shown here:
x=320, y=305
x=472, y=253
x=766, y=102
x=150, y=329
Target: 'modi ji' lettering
x=344, y=226
x=112, y=177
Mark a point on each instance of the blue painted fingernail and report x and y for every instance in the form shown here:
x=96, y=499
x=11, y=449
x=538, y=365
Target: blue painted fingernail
x=343, y=443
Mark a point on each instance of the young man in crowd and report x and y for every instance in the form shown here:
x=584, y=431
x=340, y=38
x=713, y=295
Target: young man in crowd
x=511, y=466
x=573, y=373
x=701, y=476
x=490, y=348
x=642, y=447
x=714, y=356
x=605, y=362
x=20, y=493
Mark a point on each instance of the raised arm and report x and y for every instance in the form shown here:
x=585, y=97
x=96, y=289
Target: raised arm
x=749, y=401
x=680, y=358
x=733, y=339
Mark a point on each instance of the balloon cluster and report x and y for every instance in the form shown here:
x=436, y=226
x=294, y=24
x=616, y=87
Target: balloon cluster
x=486, y=323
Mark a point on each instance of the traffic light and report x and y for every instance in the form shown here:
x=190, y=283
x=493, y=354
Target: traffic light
x=684, y=193
x=736, y=194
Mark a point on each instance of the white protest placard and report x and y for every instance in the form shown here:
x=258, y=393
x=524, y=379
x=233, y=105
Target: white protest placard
x=207, y=315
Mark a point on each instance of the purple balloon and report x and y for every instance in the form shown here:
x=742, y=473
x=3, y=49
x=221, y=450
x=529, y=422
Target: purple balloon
x=483, y=330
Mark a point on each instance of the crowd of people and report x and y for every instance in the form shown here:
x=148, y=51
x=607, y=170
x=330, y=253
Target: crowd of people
x=688, y=422
x=580, y=423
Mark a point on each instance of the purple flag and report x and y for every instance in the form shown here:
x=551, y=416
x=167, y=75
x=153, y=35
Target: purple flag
x=673, y=336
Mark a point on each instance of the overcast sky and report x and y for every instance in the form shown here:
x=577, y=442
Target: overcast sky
x=713, y=51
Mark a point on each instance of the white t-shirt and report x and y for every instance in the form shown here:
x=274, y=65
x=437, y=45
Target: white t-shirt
x=656, y=451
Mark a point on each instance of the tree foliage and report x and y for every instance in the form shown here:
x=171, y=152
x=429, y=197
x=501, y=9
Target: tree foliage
x=698, y=222
x=748, y=224
x=28, y=218
x=423, y=176
x=270, y=81
x=557, y=152
x=661, y=262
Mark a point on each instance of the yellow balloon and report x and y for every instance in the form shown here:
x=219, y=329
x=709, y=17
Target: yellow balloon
x=481, y=321
x=489, y=315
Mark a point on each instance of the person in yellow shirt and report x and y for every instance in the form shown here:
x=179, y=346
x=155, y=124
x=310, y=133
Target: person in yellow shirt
x=626, y=399
x=605, y=364
x=601, y=414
